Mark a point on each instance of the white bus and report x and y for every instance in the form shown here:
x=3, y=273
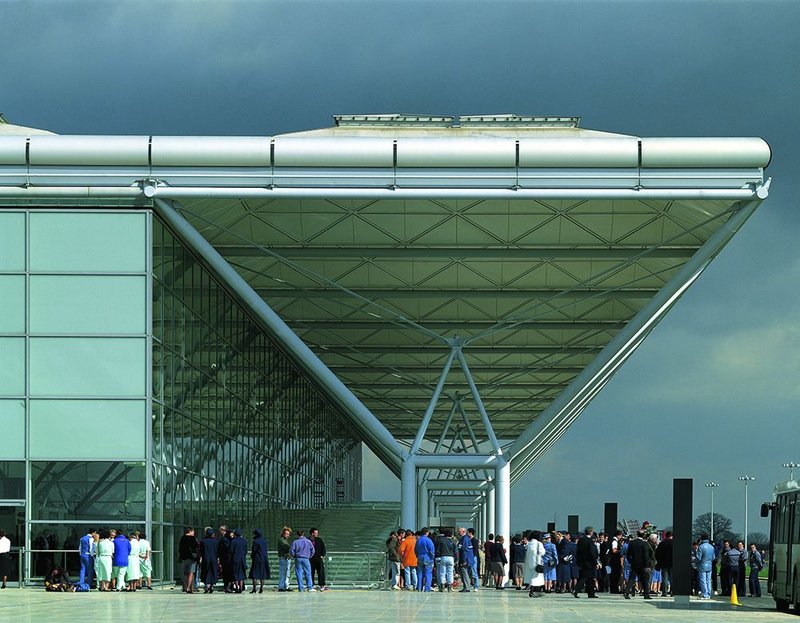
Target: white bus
x=784, y=545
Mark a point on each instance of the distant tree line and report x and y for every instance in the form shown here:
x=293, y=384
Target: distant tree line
x=723, y=532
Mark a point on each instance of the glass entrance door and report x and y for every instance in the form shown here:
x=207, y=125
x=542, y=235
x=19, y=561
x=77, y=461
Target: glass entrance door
x=12, y=522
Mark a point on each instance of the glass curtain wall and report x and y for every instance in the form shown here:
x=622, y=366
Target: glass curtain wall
x=240, y=435
x=74, y=368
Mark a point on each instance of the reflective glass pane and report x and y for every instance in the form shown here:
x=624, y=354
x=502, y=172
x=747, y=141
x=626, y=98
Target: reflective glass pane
x=12, y=366
x=67, y=429
x=88, y=490
x=88, y=242
x=12, y=303
x=12, y=480
x=88, y=304
x=12, y=240
x=12, y=425
x=87, y=366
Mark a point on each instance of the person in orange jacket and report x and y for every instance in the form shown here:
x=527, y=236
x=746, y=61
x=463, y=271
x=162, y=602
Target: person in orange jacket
x=409, y=560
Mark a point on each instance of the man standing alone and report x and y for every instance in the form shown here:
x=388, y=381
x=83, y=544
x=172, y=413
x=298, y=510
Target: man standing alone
x=318, y=559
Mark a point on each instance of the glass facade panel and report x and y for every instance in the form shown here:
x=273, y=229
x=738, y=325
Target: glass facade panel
x=240, y=434
x=12, y=480
x=88, y=490
x=67, y=429
x=88, y=366
x=12, y=366
x=92, y=242
x=88, y=304
x=12, y=241
x=12, y=304
x=12, y=425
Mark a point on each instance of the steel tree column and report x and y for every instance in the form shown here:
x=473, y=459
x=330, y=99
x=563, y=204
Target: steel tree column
x=408, y=493
x=422, y=510
x=490, y=514
x=503, y=498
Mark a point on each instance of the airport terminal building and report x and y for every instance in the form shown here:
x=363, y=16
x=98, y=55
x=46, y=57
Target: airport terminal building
x=196, y=330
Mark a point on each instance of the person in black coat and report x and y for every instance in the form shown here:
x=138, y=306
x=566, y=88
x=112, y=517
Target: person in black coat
x=586, y=558
x=208, y=561
x=664, y=562
x=318, y=559
x=238, y=560
x=259, y=560
x=224, y=554
x=639, y=558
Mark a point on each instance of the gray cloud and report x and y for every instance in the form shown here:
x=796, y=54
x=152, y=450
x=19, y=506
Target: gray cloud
x=718, y=374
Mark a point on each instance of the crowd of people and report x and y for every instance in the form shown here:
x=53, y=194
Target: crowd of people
x=718, y=568
x=559, y=562
x=222, y=555
x=423, y=560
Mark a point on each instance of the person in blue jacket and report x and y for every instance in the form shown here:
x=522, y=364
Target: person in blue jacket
x=466, y=560
x=122, y=549
x=705, y=558
x=86, y=550
x=259, y=561
x=425, y=552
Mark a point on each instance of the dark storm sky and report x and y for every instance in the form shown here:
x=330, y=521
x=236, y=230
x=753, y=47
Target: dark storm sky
x=713, y=393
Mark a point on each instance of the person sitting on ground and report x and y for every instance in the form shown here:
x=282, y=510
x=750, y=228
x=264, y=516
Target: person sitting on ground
x=58, y=581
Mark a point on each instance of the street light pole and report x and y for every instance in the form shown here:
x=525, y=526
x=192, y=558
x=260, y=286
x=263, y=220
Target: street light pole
x=712, y=485
x=790, y=466
x=746, y=480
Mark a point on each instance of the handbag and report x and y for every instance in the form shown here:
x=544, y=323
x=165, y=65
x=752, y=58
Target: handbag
x=539, y=569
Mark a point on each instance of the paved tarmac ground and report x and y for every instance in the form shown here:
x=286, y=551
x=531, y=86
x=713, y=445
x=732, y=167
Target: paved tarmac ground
x=355, y=606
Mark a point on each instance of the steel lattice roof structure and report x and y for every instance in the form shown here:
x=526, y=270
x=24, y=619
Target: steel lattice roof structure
x=471, y=283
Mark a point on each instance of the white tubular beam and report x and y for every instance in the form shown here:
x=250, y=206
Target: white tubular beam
x=456, y=193
x=169, y=192
x=72, y=192
x=456, y=485
x=373, y=431
x=597, y=373
x=477, y=398
x=455, y=461
x=408, y=494
x=423, y=427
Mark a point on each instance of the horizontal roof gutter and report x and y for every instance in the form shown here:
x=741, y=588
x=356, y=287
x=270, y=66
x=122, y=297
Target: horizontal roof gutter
x=167, y=192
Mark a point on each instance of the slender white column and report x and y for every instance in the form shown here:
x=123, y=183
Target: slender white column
x=503, y=501
x=490, y=515
x=503, y=498
x=408, y=493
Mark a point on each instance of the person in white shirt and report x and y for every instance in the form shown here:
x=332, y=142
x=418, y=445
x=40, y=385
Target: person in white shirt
x=145, y=563
x=5, y=557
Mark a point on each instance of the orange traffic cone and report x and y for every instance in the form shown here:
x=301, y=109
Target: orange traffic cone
x=734, y=596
